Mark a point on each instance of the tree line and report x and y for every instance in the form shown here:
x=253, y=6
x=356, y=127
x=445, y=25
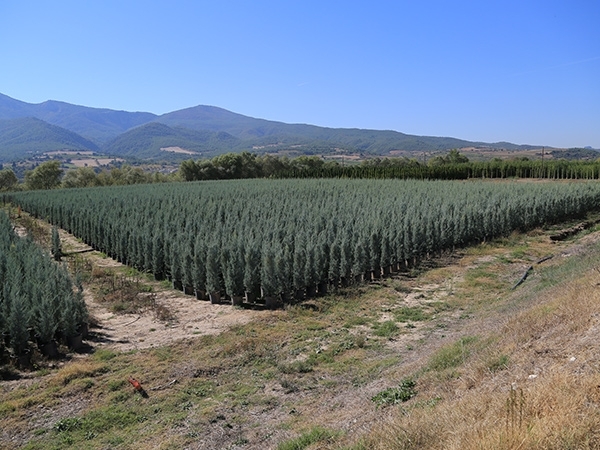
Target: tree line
x=50, y=175
x=245, y=165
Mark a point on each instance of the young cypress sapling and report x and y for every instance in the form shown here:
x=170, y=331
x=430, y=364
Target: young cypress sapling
x=56, y=245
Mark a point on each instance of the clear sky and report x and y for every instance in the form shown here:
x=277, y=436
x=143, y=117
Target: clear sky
x=526, y=72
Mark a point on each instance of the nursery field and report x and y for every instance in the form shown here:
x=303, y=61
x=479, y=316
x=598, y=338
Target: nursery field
x=280, y=241
x=445, y=355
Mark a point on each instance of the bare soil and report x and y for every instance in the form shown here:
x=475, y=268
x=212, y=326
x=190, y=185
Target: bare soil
x=175, y=317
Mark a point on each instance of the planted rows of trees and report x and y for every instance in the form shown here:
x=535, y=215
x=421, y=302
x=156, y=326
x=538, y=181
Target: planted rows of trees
x=38, y=300
x=452, y=166
x=285, y=238
x=451, y=169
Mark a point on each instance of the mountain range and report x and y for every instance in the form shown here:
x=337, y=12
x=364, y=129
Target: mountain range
x=28, y=129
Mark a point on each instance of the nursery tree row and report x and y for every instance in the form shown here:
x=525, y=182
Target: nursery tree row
x=37, y=296
x=450, y=169
x=453, y=166
x=283, y=238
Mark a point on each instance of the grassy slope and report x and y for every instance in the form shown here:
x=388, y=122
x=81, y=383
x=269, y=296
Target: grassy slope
x=493, y=367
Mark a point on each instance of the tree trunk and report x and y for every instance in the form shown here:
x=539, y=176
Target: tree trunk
x=75, y=342
x=215, y=297
x=84, y=329
x=22, y=361
x=271, y=302
x=188, y=290
x=322, y=288
x=49, y=350
x=250, y=297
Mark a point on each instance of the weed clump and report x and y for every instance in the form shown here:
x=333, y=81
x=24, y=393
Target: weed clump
x=392, y=396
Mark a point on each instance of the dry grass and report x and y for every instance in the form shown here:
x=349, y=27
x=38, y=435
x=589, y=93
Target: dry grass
x=82, y=369
x=546, y=396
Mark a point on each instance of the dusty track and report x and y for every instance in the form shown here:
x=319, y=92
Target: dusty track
x=188, y=317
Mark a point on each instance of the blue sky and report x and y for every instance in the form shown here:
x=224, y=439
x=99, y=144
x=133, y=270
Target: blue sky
x=523, y=71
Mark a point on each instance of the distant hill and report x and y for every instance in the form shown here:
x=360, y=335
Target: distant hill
x=203, y=130
x=96, y=124
x=262, y=132
x=27, y=136
x=148, y=141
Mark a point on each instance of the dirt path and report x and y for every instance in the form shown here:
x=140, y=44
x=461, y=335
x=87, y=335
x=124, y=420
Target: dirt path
x=185, y=318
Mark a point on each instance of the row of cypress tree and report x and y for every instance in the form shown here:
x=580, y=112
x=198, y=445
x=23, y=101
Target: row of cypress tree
x=38, y=298
x=410, y=169
x=286, y=237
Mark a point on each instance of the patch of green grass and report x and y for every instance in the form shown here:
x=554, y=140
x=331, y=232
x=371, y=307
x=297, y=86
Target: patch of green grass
x=553, y=274
x=392, y=396
x=103, y=419
x=363, y=371
x=520, y=252
x=497, y=363
x=355, y=321
x=102, y=354
x=401, y=288
x=411, y=313
x=387, y=329
x=452, y=355
x=313, y=436
x=68, y=424
x=297, y=366
x=440, y=306
x=483, y=278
